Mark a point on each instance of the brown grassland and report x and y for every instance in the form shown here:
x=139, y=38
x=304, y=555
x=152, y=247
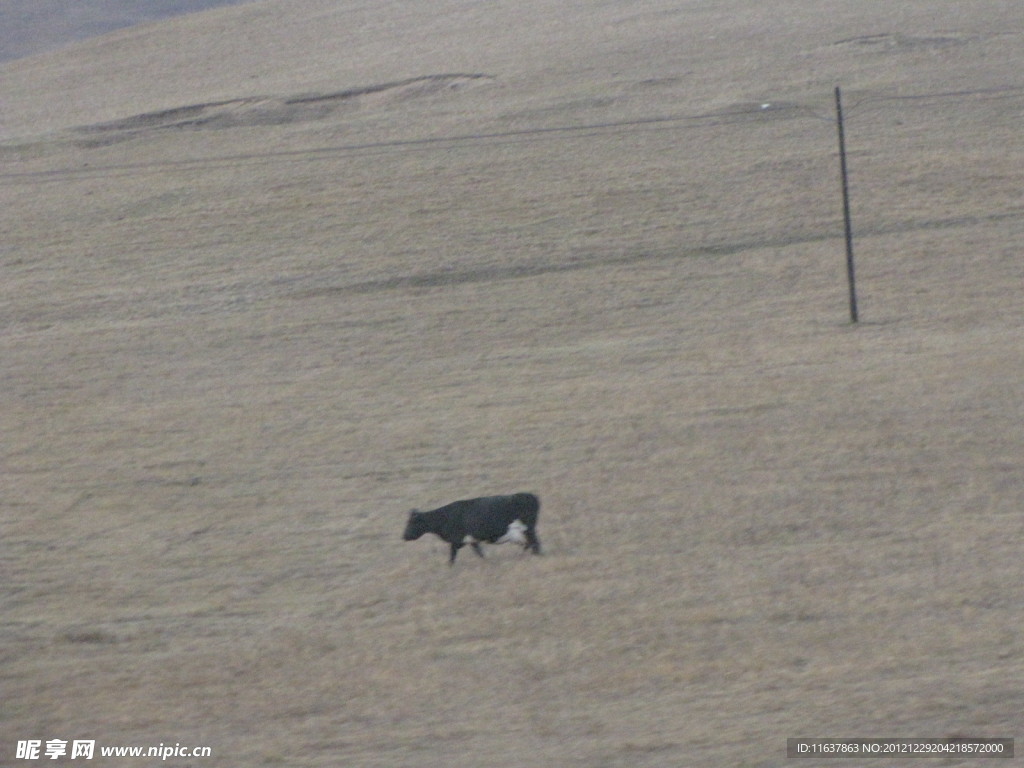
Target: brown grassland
x=274, y=274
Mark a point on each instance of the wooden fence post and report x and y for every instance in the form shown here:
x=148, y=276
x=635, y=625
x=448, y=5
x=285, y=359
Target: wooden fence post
x=846, y=208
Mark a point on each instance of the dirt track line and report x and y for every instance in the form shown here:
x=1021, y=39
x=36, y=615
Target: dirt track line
x=791, y=111
x=206, y=163
x=438, y=278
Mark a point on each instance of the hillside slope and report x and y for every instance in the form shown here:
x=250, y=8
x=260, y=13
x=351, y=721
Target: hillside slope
x=276, y=273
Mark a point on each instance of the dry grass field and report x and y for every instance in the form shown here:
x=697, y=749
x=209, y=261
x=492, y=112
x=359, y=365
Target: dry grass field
x=276, y=273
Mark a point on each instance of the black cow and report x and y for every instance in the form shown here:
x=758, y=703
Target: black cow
x=494, y=519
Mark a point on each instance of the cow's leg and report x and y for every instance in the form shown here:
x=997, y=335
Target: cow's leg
x=476, y=548
x=532, y=542
x=454, y=552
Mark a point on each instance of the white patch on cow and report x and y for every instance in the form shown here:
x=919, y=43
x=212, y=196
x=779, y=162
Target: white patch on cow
x=467, y=539
x=516, y=533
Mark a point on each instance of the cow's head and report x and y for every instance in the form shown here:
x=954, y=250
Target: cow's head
x=416, y=526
